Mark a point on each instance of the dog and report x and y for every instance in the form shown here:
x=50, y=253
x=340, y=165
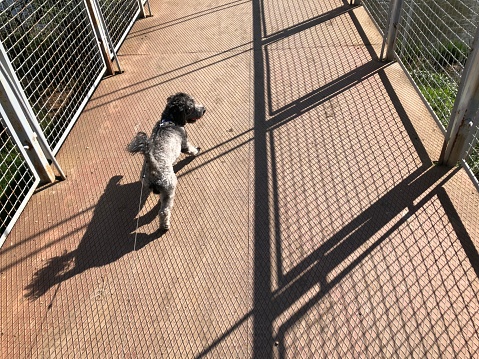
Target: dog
x=162, y=149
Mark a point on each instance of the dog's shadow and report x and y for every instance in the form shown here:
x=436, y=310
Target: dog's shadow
x=109, y=236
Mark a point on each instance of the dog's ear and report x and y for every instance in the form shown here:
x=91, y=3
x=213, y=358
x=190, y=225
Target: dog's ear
x=179, y=115
x=179, y=107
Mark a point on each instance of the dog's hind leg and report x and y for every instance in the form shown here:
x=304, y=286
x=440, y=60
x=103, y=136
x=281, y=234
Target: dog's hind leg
x=167, y=199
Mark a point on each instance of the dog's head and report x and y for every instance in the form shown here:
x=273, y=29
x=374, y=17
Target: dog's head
x=181, y=109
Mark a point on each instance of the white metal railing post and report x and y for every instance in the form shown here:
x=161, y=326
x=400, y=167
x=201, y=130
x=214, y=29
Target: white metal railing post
x=464, y=114
x=103, y=37
x=142, y=9
x=390, y=36
x=17, y=201
x=13, y=95
x=141, y=4
x=107, y=35
x=14, y=112
x=147, y=2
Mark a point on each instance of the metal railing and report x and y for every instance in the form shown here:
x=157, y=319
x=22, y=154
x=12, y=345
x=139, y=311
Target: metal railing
x=17, y=179
x=114, y=13
x=56, y=58
x=53, y=54
x=433, y=40
x=378, y=10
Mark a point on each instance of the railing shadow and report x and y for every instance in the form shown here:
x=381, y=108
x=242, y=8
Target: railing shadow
x=193, y=16
x=357, y=239
x=278, y=290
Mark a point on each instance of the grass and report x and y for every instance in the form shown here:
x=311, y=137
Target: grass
x=439, y=91
x=436, y=73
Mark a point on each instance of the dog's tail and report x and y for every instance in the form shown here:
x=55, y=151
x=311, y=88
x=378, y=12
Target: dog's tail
x=139, y=143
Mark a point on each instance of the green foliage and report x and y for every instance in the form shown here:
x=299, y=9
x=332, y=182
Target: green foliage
x=436, y=78
x=8, y=160
x=436, y=70
x=451, y=53
x=473, y=160
x=12, y=168
x=42, y=40
x=439, y=90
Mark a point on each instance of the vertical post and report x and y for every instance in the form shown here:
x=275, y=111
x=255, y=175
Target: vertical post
x=407, y=26
x=464, y=114
x=15, y=115
x=390, y=36
x=106, y=38
x=13, y=95
x=142, y=9
x=149, y=8
x=101, y=36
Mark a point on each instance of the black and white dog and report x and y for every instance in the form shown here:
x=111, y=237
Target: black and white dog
x=163, y=148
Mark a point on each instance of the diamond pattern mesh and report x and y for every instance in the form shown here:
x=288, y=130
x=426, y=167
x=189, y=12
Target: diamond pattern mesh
x=16, y=180
x=311, y=225
x=55, y=55
x=119, y=16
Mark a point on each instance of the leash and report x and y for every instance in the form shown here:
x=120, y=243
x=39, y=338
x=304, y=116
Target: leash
x=133, y=262
x=139, y=209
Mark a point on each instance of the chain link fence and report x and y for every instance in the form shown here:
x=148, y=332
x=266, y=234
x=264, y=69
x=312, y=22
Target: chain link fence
x=55, y=49
x=115, y=12
x=17, y=180
x=433, y=42
x=55, y=55
x=378, y=10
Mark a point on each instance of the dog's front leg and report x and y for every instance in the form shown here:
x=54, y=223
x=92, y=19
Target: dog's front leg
x=189, y=149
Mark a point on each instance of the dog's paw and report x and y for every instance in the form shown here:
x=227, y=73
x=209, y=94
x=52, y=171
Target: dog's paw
x=195, y=152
